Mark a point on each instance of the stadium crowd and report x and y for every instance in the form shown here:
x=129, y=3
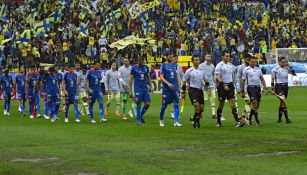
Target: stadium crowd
x=183, y=27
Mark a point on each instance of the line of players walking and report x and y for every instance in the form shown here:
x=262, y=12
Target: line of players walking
x=82, y=87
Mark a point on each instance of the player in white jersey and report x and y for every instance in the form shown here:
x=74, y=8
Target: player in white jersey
x=246, y=99
x=82, y=91
x=112, y=86
x=196, y=79
x=209, y=93
x=253, y=78
x=225, y=88
x=124, y=74
x=280, y=87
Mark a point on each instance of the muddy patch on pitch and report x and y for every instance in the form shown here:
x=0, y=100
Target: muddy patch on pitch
x=34, y=160
x=276, y=153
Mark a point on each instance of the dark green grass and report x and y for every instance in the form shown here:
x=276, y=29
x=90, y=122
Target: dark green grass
x=38, y=146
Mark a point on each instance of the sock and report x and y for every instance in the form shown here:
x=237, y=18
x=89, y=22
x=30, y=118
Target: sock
x=144, y=109
x=46, y=108
x=56, y=109
x=38, y=106
x=256, y=115
x=52, y=110
x=124, y=108
x=219, y=115
x=280, y=110
x=247, y=110
x=66, y=111
x=138, y=113
x=176, y=112
x=30, y=107
x=133, y=105
x=101, y=110
x=5, y=105
x=8, y=106
x=162, y=110
x=76, y=111
x=22, y=107
x=213, y=110
x=117, y=107
x=91, y=111
x=286, y=113
x=235, y=114
x=251, y=116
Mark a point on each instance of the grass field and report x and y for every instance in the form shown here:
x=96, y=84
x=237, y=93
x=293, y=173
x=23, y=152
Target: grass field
x=37, y=146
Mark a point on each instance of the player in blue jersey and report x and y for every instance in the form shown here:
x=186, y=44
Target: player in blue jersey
x=140, y=79
x=70, y=87
x=94, y=90
x=53, y=93
x=170, y=91
x=44, y=93
x=20, y=89
x=33, y=85
x=6, y=83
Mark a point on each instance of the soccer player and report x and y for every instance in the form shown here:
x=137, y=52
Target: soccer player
x=60, y=77
x=225, y=88
x=170, y=91
x=83, y=96
x=124, y=73
x=181, y=79
x=53, y=91
x=280, y=87
x=138, y=88
x=253, y=78
x=208, y=68
x=33, y=86
x=247, y=110
x=195, y=79
x=93, y=86
x=6, y=83
x=70, y=87
x=19, y=86
x=112, y=86
x=45, y=95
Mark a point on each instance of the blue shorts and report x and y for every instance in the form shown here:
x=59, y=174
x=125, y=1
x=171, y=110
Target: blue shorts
x=169, y=97
x=53, y=98
x=71, y=99
x=45, y=96
x=34, y=97
x=7, y=96
x=21, y=96
x=141, y=95
x=96, y=96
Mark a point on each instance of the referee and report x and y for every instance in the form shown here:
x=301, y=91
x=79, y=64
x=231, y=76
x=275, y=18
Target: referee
x=196, y=79
x=280, y=87
x=224, y=72
x=253, y=77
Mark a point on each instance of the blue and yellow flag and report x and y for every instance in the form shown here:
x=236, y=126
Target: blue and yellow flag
x=148, y=26
x=55, y=16
x=83, y=29
x=43, y=26
x=25, y=37
x=105, y=28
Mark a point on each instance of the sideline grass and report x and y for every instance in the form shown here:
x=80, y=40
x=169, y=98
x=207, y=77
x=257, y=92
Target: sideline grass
x=120, y=147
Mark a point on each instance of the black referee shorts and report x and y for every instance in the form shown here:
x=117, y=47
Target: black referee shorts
x=282, y=89
x=222, y=94
x=196, y=95
x=254, y=93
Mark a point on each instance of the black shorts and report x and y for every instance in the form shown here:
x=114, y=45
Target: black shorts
x=254, y=92
x=282, y=89
x=223, y=95
x=196, y=95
